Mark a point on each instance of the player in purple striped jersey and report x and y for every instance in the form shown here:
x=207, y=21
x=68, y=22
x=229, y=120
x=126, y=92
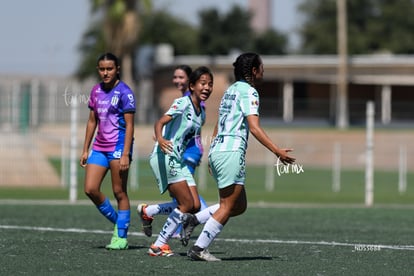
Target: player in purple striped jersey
x=112, y=109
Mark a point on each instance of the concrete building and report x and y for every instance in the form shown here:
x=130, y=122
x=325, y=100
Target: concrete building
x=302, y=89
x=297, y=90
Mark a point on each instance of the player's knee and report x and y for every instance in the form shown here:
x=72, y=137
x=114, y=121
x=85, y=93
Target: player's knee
x=91, y=192
x=239, y=209
x=196, y=207
x=120, y=195
x=186, y=207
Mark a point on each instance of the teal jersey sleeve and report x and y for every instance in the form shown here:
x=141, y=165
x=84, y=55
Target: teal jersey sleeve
x=239, y=101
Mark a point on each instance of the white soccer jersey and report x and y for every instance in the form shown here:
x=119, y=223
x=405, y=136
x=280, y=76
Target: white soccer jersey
x=186, y=124
x=239, y=101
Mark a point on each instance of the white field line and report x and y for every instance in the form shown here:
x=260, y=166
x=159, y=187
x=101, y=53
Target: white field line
x=356, y=246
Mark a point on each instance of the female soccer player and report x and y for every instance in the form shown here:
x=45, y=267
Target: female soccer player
x=173, y=131
x=112, y=108
x=238, y=115
x=194, y=151
x=192, y=158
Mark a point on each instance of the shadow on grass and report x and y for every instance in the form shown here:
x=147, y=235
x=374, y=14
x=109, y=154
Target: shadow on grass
x=252, y=258
x=130, y=247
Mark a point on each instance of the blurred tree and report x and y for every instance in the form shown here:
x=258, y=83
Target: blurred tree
x=116, y=30
x=160, y=27
x=92, y=45
x=117, y=24
x=271, y=43
x=374, y=26
x=221, y=34
x=218, y=34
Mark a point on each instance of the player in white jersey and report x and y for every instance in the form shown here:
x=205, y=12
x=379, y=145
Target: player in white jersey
x=181, y=123
x=238, y=115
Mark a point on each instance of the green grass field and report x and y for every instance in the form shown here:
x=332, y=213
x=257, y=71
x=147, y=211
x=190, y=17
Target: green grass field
x=314, y=185
x=64, y=239
x=301, y=227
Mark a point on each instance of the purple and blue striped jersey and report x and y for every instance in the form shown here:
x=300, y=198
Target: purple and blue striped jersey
x=109, y=108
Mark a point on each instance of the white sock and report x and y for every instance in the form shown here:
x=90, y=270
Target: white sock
x=211, y=230
x=173, y=220
x=160, y=209
x=205, y=214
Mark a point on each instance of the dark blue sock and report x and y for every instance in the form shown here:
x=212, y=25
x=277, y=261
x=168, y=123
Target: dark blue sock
x=123, y=222
x=108, y=211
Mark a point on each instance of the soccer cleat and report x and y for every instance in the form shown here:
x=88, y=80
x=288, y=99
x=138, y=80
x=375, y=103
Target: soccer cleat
x=189, y=222
x=145, y=220
x=198, y=254
x=117, y=244
x=162, y=251
x=115, y=233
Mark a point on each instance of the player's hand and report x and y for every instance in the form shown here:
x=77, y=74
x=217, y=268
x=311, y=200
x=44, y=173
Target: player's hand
x=83, y=159
x=124, y=163
x=283, y=156
x=165, y=145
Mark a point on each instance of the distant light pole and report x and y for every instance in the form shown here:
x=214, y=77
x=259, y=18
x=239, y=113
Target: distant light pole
x=342, y=120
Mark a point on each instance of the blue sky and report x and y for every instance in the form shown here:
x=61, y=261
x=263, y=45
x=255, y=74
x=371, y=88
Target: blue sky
x=41, y=37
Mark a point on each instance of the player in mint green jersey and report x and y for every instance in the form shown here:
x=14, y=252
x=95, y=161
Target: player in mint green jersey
x=173, y=131
x=191, y=157
x=238, y=116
